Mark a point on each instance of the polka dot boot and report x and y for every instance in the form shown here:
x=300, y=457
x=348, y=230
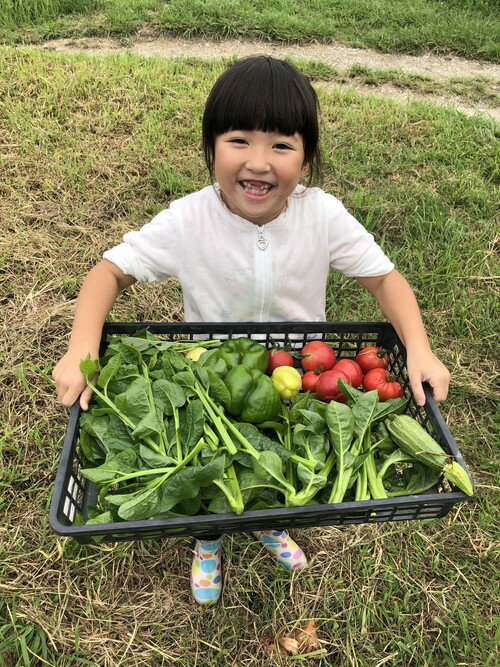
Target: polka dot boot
x=281, y=546
x=206, y=572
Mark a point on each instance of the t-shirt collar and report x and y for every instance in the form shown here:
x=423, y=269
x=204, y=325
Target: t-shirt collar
x=239, y=221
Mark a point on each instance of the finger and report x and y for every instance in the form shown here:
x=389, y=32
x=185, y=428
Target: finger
x=85, y=398
x=70, y=397
x=87, y=393
x=61, y=390
x=418, y=391
x=439, y=389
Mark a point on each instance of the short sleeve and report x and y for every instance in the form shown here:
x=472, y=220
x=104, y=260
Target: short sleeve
x=353, y=250
x=152, y=253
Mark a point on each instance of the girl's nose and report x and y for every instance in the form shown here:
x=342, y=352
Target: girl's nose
x=258, y=162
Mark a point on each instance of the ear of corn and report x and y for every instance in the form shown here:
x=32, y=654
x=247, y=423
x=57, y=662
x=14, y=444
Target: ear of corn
x=413, y=439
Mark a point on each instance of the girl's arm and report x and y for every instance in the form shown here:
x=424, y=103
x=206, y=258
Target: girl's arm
x=397, y=301
x=99, y=291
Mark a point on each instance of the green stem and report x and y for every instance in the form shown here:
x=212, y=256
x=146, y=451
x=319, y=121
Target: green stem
x=375, y=483
x=343, y=478
x=214, y=408
x=288, y=444
x=159, y=471
x=216, y=418
x=361, y=484
x=177, y=434
x=304, y=496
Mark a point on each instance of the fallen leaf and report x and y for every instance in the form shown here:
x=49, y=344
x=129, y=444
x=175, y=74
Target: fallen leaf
x=290, y=644
x=300, y=643
x=307, y=638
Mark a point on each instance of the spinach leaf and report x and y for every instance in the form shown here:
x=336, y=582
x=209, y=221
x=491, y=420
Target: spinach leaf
x=340, y=421
x=168, y=395
x=191, y=423
x=183, y=485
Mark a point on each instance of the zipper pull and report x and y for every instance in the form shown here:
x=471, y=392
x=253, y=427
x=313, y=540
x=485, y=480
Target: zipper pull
x=262, y=243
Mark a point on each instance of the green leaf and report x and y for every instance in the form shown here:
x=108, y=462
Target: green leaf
x=184, y=379
x=109, y=371
x=392, y=406
x=122, y=462
x=168, y=395
x=105, y=517
x=411, y=480
x=351, y=393
x=340, y=421
x=92, y=449
x=191, y=423
x=261, y=442
x=271, y=463
x=364, y=409
x=183, y=485
x=89, y=367
x=219, y=504
x=148, y=424
x=134, y=402
x=117, y=436
x=297, y=403
x=154, y=460
x=218, y=390
x=314, y=422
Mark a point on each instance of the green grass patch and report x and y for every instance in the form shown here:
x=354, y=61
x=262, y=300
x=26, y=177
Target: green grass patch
x=473, y=89
x=462, y=27
x=93, y=147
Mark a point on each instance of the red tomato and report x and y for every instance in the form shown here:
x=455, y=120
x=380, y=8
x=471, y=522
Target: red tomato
x=385, y=383
x=327, y=386
x=317, y=355
x=372, y=357
x=351, y=369
x=278, y=358
x=310, y=380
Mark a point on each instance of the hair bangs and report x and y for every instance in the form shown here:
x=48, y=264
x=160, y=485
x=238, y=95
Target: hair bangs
x=259, y=102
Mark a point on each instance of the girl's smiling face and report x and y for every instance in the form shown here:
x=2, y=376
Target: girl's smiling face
x=257, y=171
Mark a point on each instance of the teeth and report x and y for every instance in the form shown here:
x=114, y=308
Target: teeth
x=256, y=190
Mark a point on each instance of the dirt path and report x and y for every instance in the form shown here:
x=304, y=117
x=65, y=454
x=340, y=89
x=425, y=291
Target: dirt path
x=342, y=57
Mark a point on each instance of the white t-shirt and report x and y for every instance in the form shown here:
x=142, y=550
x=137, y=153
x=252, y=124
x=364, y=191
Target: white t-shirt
x=226, y=276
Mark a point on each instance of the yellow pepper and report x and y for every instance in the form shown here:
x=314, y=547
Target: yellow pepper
x=195, y=353
x=287, y=381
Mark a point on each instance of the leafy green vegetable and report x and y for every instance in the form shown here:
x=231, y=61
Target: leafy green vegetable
x=159, y=441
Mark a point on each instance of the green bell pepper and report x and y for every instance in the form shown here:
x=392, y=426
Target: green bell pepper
x=244, y=351
x=254, y=398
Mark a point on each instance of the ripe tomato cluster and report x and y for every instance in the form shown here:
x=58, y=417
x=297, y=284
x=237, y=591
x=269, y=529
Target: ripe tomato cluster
x=322, y=371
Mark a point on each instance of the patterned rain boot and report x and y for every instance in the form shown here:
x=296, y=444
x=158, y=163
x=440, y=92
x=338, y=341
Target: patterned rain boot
x=281, y=547
x=206, y=572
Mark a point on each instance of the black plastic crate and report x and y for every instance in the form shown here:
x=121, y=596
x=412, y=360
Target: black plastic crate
x=73, y=494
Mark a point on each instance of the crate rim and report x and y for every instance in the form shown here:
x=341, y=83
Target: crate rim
x=280, y=514
x=144, y=526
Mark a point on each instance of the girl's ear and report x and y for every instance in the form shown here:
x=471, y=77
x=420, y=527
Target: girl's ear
x=304, y=170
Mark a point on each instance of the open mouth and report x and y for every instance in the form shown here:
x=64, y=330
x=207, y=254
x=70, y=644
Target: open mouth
x=256, y=189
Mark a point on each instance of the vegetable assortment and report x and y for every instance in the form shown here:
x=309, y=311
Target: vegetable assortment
x=178, y=431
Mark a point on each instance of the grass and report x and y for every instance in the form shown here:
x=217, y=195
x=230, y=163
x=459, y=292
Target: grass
x=468, y=89
x=93, y=147
x=466, y=27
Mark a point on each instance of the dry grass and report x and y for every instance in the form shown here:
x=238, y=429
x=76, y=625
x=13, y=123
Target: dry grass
x=85, y=154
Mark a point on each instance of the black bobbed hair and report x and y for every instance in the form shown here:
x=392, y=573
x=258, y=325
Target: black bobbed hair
x=267, y=94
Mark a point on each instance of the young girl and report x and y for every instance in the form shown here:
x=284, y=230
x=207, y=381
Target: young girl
x=253, y=246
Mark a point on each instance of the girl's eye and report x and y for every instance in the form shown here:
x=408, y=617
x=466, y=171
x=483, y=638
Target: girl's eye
x=282, y=146
x=237, y=141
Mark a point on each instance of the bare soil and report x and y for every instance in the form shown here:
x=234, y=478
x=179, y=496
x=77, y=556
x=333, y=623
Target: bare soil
x=439, y=67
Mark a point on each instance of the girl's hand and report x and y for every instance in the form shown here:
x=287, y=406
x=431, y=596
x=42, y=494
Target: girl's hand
x=424, y=366
x=70, y=383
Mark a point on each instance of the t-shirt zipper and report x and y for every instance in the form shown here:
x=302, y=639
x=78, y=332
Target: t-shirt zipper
x=264, y=252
